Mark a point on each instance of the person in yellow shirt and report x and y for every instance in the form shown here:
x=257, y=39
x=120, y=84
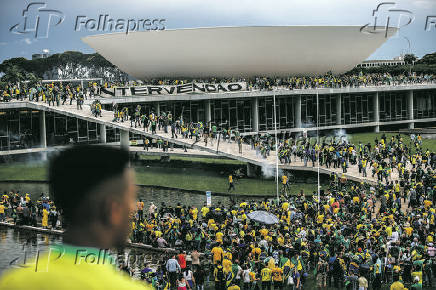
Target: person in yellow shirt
x=217, y=254
x=320, y=219
x=44, y=222
x=263, y=232
x=397, y=285
x=233, y=287
x=256, y=251
x=140, y=208
x=277, y=277
x=98, y=216
x=231, y=185
x=195, y=213
x=219, y=237
x=266, y=275
x=2, y=212
x=204, y=211
x=356, y=199
x=227, y=265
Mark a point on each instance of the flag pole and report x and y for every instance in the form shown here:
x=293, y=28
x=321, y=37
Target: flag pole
x=277, y=151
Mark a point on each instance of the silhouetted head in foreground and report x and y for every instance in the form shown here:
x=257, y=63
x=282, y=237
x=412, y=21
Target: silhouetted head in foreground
x=95, y=189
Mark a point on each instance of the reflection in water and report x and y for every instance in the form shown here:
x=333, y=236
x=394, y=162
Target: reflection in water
x=20, y=246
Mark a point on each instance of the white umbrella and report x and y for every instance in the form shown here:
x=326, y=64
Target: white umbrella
x=263, y=217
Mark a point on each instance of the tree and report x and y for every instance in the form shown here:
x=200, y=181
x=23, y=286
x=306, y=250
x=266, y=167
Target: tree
x=428, y=59
x=70, y=64
x=13, y=74
x=409, y=58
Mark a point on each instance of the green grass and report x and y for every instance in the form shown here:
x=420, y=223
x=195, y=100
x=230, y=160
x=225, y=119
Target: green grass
x=23, y=171
x=197, y=179
x=189, y=179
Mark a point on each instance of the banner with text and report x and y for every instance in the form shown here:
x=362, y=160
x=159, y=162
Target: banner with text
x=190, y=88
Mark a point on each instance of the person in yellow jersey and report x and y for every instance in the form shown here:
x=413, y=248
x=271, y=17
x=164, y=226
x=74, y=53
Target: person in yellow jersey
x=233, y=287
x=44, y=222
x=285, y=185
x=2, y=212
x=397, y=285
x=97, y=210
x=266, y=277
x=231, y=185
x=217, y=254
x=277, y=277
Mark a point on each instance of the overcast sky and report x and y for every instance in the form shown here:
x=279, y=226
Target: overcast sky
x=208, y=13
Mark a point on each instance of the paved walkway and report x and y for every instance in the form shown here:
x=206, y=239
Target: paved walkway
x=176, y=151
x=229, y=150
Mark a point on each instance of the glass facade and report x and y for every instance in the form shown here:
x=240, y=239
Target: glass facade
x=60, y=129
x=236, y=113
x=19, y=128
x=309, y=110
x=357, y=108
x=393, y=106
x=424, y=104
x=284, y=110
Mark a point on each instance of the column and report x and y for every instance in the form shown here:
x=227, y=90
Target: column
x=251, y=170
x=338, y=109
x=81, y=84
x=207, y=111
x=376, y=113
x=102, y=133
x=297, y=120
x=42, y=131
x=410, y=108
x=124, y=139
x=157, y=108
x=255, y=114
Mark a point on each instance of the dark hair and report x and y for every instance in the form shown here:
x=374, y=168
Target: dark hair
x=76, y=171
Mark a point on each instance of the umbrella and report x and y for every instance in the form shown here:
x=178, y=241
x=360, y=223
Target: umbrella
x=263, y=217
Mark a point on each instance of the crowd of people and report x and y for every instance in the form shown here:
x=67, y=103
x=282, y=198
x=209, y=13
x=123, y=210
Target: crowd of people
x=51, y=93
x=327, y=80
x=207, y=132
x=347, y=239
x=22, y=210
x=357, y=235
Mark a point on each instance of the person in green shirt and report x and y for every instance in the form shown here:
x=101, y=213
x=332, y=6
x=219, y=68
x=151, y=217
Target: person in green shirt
x=97, y=213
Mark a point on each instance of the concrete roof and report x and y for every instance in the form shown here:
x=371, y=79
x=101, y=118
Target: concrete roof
x=238, y=51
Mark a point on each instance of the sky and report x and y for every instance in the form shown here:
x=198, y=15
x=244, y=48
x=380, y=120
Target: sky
x=412, y=37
